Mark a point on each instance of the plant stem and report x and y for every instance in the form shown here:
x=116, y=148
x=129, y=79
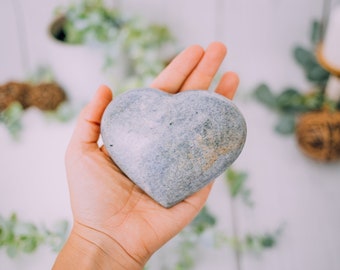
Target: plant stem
x=235, y=233
x=22, y=37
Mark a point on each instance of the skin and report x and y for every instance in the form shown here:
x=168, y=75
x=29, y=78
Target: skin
x=116, y=225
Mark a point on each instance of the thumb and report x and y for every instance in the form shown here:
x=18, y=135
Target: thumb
x=87, y=129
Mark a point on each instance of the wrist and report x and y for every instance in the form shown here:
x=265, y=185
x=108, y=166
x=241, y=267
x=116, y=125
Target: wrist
x=87, y=248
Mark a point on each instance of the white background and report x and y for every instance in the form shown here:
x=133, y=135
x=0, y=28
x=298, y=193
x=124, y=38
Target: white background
x=286, y=186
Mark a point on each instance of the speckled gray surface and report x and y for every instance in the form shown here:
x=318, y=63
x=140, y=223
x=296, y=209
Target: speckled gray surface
x=172, y=145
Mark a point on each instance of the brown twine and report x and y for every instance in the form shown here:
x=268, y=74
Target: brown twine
x=45, y=96
x=318, y=135
x=11, y=92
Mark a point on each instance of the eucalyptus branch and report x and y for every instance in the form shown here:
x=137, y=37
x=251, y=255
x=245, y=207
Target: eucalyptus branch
x=18, y=237
x=236, y=181
x=11, y=119
x=290, y=103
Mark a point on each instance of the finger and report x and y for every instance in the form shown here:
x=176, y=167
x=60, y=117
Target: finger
x=87, y=129
x=228, y=85
x=191, y=206
x=174, y=75
x=205, y=71
x=199, y=198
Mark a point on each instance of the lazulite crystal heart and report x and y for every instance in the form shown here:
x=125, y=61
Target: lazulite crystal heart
x=172, y=145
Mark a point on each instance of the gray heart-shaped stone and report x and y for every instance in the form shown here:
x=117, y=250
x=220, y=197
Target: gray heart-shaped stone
x=172, y=145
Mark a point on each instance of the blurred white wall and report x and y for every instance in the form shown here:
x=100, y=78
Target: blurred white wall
x=287, y=187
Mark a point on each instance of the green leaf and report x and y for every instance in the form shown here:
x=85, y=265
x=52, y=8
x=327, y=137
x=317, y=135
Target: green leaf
x=291, y=100
x=17, y=236
x=42, y=74
x=317, y=74
x=263, y=94
x=315, y=32
x=24, y=229
x=64, y=113
x=235, y=181
x=286, y=124
x=30, y=244
x=203, y=221
x=314, y=72
x=5, y=232
x=267, y=241
x=314, y=101
x=304, y=57
x=11, y=117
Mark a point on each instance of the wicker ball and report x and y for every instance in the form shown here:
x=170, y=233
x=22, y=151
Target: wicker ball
x=13, y=91
x=46, y=96
x=318, y=135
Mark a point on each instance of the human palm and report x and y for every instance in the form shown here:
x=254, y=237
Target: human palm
x=109, y=208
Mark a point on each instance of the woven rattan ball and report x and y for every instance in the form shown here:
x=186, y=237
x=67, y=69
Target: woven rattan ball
x=46, y=96
x=318, y=135
x=11, y=92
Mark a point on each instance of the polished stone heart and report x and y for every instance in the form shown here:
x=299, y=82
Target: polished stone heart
x=172, y=145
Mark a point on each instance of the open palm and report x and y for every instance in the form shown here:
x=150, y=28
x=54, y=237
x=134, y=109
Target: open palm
x=110, y=211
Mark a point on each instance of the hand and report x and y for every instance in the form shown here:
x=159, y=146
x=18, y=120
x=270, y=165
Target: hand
x=116, y=225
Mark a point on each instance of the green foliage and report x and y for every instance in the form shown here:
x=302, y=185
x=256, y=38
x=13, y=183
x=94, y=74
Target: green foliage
x=236, y=182
x=187, y=249
x=313, y=71
x=255, y=243
x=260, y=242
x=42, y=74
x=64, y=113
x=291, y=100
x=286, y=124
x=190, y=238
x=187, y=243
x=18, y=237
x=11, y=118
x=307, y=60
x=315, y=33
x=141, y=43
x=203, y=221
x=263, y=94
x=204, y=226
x=290, y=103
x=90, y=21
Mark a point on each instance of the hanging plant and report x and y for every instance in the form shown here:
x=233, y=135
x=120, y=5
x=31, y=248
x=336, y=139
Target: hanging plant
x=313, y=117
x=291, y=103
x=143, y=45
x=40, y=91
x=318, y=135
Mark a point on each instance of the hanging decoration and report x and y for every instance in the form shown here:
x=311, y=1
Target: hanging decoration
x=318, y=135
x=40, y=91
x=313, y=116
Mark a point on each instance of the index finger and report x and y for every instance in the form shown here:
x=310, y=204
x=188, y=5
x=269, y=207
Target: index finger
x=206, y=70
x=175, y=74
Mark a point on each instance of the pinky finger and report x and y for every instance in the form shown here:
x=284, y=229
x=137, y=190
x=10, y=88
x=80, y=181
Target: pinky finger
x=228, y=85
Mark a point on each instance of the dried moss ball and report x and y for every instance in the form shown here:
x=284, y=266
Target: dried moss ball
x=13, y=92
x=318, y=135
x=46, y=96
